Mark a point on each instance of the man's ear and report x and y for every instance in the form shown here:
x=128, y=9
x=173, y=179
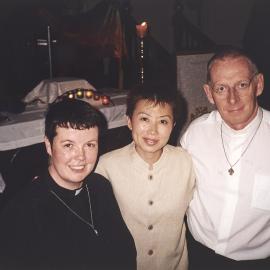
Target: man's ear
x=208, y=93
x=260, y=84
x=48, y=146
x=129, y=123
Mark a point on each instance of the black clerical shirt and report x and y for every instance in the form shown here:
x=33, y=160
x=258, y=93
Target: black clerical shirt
x=38, y=231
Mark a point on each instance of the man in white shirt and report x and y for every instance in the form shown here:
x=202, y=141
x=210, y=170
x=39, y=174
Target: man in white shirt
x=229, y=216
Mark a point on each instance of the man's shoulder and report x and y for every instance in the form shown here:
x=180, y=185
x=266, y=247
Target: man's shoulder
x=200, y=127
x=204, y=119
x=266, y=115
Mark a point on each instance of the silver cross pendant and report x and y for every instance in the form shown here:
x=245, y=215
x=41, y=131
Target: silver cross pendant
x=231, y=171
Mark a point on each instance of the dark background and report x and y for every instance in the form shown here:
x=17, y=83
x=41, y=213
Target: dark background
x=75, y=25
x=175, y=27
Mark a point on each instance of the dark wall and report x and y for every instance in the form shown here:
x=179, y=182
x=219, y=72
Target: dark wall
x=257, y=42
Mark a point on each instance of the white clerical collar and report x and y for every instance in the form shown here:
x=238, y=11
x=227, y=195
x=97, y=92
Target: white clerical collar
x=77, y=191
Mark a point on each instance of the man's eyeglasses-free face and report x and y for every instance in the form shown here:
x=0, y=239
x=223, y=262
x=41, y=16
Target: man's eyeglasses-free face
x=240, y=87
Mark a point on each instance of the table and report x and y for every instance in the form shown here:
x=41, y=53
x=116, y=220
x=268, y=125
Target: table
x=27, y=128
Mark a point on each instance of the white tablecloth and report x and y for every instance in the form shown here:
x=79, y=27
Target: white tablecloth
x=48, y=90
x=27, y=128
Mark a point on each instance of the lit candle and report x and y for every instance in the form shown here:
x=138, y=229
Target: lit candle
x=70, y=95
x=141, y=32
x=79, y=93
x=105, y=100
x=141, y=29
x=96, y=96
x=89, y=93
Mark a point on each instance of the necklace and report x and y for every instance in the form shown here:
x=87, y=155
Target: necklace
x=231, y=170
x=91, y=225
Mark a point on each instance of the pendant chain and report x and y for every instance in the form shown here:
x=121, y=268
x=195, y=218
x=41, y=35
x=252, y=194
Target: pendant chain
x=231, y=170
x=91, y=225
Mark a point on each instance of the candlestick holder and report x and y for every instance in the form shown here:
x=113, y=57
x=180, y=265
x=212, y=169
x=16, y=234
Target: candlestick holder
x=91, y=96
x=141, y=30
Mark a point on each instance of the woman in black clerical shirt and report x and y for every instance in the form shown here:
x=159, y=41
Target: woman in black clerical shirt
x=67, y=218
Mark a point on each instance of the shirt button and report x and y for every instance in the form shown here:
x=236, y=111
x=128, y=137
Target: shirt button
x=150, y=252
x=150, y=202
x=150, y=177
x=150, y=227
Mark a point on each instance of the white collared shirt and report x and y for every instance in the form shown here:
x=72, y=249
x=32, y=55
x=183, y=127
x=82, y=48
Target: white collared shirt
x=231, y=213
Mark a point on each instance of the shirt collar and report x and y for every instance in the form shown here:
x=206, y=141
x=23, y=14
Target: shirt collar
x=246, y=130
x=67, y=193
x=138, y=161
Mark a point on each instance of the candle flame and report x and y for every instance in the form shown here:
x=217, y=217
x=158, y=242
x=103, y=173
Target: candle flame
x=141, y=29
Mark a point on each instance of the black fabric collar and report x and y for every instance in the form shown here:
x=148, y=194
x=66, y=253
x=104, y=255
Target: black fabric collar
x=63, y=192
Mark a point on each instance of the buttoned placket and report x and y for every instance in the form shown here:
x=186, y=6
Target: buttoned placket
x=150, y=227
